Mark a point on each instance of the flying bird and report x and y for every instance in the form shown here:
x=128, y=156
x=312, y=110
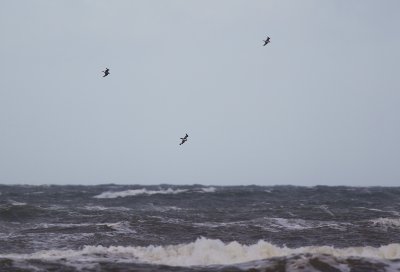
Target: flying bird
x=106, y=72
x=184, y=139
x=266, y=41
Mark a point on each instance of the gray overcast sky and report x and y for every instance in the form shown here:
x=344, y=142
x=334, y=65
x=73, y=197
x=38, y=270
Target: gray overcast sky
x=320, y=104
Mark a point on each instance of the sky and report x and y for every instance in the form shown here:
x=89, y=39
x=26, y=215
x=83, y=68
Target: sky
x=319, y=105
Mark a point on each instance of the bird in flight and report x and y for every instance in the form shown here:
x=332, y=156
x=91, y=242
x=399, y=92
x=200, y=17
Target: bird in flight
x=106, y=72
x=184, y=139
x=266, y=41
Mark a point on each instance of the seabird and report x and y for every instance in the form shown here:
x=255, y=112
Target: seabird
x=266, y=41
x=184, y=139
x=106, y=72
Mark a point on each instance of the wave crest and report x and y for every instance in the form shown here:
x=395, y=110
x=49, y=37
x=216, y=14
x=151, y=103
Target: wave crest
x=138, y=192
x=386, y=223
x=205, y=252
x=208, y=189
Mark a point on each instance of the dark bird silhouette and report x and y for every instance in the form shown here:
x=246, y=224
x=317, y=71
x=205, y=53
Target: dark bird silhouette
x=106, y=72
x=266, y=41
x=184, y=139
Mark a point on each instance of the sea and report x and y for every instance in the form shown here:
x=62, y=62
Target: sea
x=199, y=228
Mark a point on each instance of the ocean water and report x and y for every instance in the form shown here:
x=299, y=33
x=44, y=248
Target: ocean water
x=199, y=228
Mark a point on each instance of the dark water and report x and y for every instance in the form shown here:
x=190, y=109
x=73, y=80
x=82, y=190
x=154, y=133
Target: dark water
x=198, y=228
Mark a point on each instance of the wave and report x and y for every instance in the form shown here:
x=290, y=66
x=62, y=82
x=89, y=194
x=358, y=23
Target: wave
x=386, y=223
x=102, y=208
x=153, y=207
x=208, y=189
x=278, y=224
x=122, y=226
x=205, y=252
x=13, y=203
x=19, y=211
x=144, y=191
x=139, y=192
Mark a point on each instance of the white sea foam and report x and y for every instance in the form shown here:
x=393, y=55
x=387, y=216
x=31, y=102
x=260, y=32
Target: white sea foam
x=278, y=224
x=122, y=226
x=325, y=209
x=373, y=209
x=289, y=224
x=153, y=207
x=395, y=213
x=386, y=222
x=208, y=190
x=138, y=192
x=16, y=203
x=204, y=252
x=102, y=208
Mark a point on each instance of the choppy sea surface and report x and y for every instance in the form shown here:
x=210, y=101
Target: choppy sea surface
x=199, y=228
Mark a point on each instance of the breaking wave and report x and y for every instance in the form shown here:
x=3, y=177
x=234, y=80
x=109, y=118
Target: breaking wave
x=139, y=192
x=386, y=222
x=144, y=191
x=208, y=190
x=205, y=252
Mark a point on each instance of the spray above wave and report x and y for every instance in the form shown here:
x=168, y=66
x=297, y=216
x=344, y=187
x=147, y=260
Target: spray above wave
x=138, y=192
x=205, y=252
